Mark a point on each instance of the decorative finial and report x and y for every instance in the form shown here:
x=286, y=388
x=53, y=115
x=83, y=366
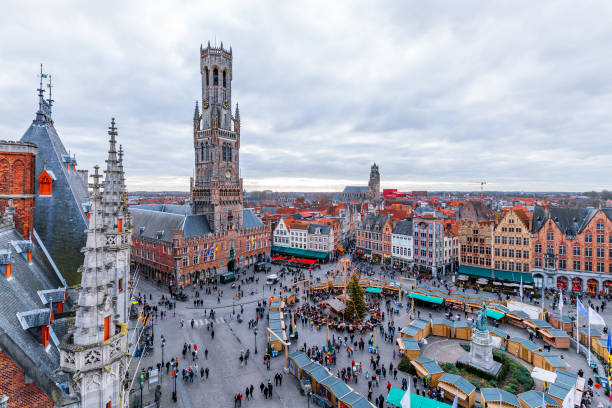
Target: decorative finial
x=237, y=116
x=196, y=113
x=96, y=184
x=50, y=86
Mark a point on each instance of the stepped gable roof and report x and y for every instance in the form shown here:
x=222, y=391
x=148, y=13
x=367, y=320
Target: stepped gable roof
x=570, y=220
x=59, y=219
x=403, y=227
x=22, y=308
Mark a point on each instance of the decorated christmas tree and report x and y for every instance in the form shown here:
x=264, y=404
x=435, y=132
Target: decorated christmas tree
x=355, y=302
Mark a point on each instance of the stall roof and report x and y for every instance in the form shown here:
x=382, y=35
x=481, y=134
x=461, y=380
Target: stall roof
x=443, y=321
x=566, y=378
x=459, y=382
x=498, y=331
x=559, y=390
x=594, y=332
x=300, y=359
x=419, y=323
x=276, y=315
x=376, y=291
x=318, y=372
x=340, y=389
x=426, y=298
x=498, y=395
x=564, y=318
x=430, y=365
x=528, y=344
x=557, y=332
x=275, y=324
x=499, y=307
x=336, y=304
x=533, y=399
x=496, y=274
x=553, y=359
x=410, y=330
x=495, y=314
x=519, y=313
x=411, y=344
x=541, y=324
x=460, y=324
x=416, y=401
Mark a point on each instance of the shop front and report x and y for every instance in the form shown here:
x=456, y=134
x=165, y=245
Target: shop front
x=561, y=283
x=592, y=286
x=576, y=285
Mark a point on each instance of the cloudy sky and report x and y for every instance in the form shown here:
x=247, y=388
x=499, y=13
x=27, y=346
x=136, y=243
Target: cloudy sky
x=441, y=94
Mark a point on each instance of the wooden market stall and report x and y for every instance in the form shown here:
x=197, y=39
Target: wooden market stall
x=418, y=329
x=522, y=348
x=548, y=361
x=559, y=392
x=498, y=398
x=315, y=373
x=502, y=335
x=354, y=400
x=455, y=300
x=426, y=367
x=453, y=385
x=442, y=327
x=533, y=399
x=297, y=362
x=395, y=396
x=600, y=348
x=462, y=331
x=564, y=322
x=408, y=347
x=537, y=324
x=584, y=334
x=556, y=337
x=332, y=388
x=517, y=318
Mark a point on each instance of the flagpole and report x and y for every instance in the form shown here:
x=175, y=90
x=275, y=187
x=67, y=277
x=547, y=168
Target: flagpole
x=589, y=341
x=577, y=330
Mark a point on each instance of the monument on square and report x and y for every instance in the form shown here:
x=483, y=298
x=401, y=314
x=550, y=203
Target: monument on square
x=481, y=348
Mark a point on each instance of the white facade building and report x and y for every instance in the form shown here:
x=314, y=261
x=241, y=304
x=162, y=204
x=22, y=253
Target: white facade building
x=281, y=235
x=402, y=244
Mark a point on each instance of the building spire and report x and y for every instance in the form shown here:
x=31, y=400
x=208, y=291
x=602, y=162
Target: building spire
x=237, y=116
x=196, y=113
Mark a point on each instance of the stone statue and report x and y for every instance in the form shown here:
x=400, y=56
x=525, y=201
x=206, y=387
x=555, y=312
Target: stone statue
x=481, y=320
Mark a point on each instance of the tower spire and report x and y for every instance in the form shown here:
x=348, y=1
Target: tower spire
x=196, y=113
x=237, y=116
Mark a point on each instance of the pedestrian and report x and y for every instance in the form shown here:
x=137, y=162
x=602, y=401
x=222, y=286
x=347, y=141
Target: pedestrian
x=251, y=389
x=206, y=354
x=206, y=372
x=202, y=373
x=212, y=335
x=388, y=387
x=265, y=392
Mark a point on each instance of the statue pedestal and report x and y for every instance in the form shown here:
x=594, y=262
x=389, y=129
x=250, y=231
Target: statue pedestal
x=481, y=353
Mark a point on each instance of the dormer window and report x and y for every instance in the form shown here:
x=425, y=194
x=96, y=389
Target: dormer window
x=45, y=183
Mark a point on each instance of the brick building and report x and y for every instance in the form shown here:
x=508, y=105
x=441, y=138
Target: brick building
x=435, y=245
x=512, y=242
x=374, y=237
x=572, y=248
x=17, y=167
x=475, y=223
x=213, y=234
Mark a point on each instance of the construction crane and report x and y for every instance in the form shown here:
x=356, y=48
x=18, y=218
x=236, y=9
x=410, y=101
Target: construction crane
x=482, y=184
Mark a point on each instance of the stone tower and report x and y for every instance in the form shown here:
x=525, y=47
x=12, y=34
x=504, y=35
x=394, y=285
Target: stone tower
x=94, y=353
x=118, y=224
x=216, y=191
x=374, y=182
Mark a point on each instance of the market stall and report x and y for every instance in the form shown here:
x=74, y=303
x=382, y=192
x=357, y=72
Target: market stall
x=426, y=367
x=548, y=361
x=442, y=327
x=522, y=348
x=556, y=337
x=498, y=398
x=453, y=385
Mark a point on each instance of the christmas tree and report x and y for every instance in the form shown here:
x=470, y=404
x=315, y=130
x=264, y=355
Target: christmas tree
x=355, y=301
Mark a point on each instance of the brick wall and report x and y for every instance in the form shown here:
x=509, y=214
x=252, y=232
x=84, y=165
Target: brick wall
x=17, y=167
x=12, y=384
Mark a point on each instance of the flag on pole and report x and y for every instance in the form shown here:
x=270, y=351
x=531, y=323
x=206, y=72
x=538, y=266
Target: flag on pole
x=543, y=400
x=521, y=288
x=405, y=401
x=560, y=303
x=609, y=344
x=595, y=318
x=134, y=301
x=455, y=402
x=581, y=309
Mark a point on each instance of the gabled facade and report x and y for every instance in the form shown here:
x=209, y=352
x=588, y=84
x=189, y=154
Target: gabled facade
x=435, y=245
x=475, y=223
x=281, y=235
x=374, y=237
x=402, y=244
x=511, y=244
x=572, y=248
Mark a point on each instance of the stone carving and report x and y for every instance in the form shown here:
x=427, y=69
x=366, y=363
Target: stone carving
x=481, y=320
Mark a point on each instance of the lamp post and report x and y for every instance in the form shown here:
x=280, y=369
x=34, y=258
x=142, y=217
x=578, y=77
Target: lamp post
x=173, y=385
x=141, y=386
x=233, y=300
x=255, y=333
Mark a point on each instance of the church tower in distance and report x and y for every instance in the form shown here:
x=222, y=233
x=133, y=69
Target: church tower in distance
x=216, y=191
x=374, y=182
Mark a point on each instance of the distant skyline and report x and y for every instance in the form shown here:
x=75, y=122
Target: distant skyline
x=441, y=95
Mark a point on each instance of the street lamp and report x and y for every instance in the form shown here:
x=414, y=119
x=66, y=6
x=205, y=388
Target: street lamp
x=255, y=333
x=233, y=300
x=141, y=386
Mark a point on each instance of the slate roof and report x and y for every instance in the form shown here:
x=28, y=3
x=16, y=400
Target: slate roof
x=403, y=227
x=570, y=220
x=356, y=189
x=52, y=295
x=22, y=307
x=34, y=318
x=167, y=219
x=475, y=211
x=323, y=228
x=373, y=220
x=59, y=219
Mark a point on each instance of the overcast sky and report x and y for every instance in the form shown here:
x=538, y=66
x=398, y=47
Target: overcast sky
x=441, y=94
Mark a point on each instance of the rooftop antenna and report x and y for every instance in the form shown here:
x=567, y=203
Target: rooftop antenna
x=40, y=89
x=50, y=86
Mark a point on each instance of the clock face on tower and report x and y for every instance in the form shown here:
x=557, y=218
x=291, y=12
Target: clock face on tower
x=228, y=174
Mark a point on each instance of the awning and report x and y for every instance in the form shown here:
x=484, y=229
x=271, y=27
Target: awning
x=377, y=291
x=305, y=253
x=496, y=274
x=495, y=314
x=425, y=298
x=416, y=401
x=543, y=375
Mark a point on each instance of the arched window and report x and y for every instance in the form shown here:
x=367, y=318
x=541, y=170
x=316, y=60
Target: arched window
x=215, y=77
x=202, y=153
x=207, y=148
x=206, y=75
x=224, y=78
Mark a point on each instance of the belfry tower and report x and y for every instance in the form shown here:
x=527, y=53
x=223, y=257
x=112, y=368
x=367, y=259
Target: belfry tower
x=374, y=182
x=216, y=191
